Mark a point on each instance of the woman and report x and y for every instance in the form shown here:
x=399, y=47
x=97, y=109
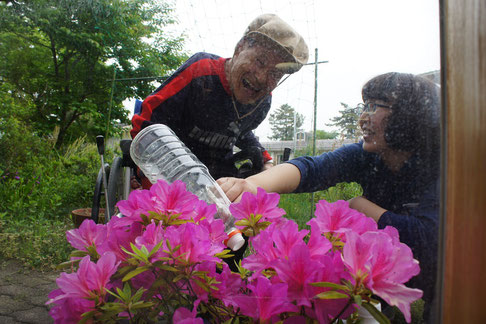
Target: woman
x=396, y=163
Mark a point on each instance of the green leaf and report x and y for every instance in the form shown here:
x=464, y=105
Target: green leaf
x=168, y=268
x=155, y=249
x=202, y=285
x=144, y=250
x=68, y=264
x=329, y=285
x=86, y=316
x=135, y=272
x=379, y=316
x=242, y=222
x=178, y=277
x=139, y=305
x=114, y=294
x=331, y=295
x=123, y=271
x=78, y=254
x=357, y=299
x=226, y=253
x=256, y=217
x=127, y=291
x=136, y=297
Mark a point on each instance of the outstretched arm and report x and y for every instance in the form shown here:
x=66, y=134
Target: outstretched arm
x=283, y=178
x=367, y=207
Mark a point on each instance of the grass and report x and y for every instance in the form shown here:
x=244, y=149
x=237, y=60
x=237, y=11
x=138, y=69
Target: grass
x=301, y=207
x=37, y=243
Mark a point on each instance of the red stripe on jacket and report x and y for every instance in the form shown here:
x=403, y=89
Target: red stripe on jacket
x=200, y=68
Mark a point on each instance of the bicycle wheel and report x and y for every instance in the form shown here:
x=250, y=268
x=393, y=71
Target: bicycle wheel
x=115, y=185
x=98, y=192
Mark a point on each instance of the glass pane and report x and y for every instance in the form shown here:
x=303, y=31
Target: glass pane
x=334, y=105
x=395, y=164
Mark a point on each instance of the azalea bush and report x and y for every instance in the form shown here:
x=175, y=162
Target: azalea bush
x=164, y=261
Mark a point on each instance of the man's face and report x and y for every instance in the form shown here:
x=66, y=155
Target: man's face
x=252, y=73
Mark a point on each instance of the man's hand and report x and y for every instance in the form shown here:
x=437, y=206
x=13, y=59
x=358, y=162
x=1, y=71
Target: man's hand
x=134, y=184
x=234, y=187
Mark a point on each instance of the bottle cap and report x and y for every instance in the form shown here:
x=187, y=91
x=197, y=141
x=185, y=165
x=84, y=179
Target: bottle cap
x=235, y=240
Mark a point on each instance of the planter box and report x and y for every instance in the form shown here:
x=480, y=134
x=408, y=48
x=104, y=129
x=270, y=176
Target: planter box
x=79, y=215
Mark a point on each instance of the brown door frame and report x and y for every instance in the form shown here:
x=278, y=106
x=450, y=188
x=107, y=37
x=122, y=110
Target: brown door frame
x=463, y=251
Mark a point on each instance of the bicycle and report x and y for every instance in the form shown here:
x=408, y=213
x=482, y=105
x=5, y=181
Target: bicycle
x=116, y=187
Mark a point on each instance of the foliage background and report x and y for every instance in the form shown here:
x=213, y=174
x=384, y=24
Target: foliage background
x=56, y=95
x=62, y=54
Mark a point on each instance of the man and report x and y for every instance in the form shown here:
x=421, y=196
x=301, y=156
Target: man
x=214, y=103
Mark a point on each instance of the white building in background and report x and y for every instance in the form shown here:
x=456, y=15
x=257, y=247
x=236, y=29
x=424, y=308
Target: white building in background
x=277, y=149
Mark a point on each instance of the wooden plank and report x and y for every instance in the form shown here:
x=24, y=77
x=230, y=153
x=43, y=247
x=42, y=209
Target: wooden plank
x=465, y=206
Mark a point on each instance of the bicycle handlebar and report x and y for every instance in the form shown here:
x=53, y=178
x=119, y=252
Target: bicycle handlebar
x=100, y=143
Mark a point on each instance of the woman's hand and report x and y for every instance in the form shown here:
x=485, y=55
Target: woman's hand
x=234, y=187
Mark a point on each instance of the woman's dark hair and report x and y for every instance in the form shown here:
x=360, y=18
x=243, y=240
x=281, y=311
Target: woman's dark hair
x=414, y=124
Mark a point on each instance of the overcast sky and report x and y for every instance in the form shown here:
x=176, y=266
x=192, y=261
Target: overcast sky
x=359, y=38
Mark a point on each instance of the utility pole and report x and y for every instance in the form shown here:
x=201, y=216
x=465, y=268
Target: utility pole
x=315, y=123
x=295, y=131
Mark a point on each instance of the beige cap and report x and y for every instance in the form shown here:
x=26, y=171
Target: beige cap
x=271, y=27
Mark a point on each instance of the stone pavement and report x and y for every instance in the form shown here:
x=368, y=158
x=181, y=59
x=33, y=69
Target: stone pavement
x=23, y=294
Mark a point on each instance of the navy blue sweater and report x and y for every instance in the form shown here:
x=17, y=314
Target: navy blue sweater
x=196, y=103
x=410, y=196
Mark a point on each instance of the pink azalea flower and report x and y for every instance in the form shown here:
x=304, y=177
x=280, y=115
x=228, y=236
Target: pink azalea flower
x=139, y=202
x=194, y=241
x=318, y=245
x=162, y=198
x=263, y=203
x=88, y=234
x=332, y=270
x=338, y=218
x=204, y=217
x=89, y=281
x=265, y=251
x=68, y=310
x=173, y=199
x=297, y=270
x=120, y=236
x=216, y=233
x=266, y=300
x=203, y=211
x=153, y=234
x=383, y=265
x=184, y=316
x=229, y=286
x=287, y=237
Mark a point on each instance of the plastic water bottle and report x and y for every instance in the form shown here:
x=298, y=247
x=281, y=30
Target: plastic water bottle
x=160, y=154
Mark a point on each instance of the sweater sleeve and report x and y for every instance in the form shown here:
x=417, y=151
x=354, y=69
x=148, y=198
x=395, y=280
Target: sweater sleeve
x=326, y=170
x=418, y=227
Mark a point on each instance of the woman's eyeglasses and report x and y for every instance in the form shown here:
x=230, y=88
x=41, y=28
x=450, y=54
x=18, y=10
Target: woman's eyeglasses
x=370, y=107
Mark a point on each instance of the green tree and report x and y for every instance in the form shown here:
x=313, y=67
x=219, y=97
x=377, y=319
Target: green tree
x=347, y=121
x=282, y=123
x=63, y=53
x=322, y=134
